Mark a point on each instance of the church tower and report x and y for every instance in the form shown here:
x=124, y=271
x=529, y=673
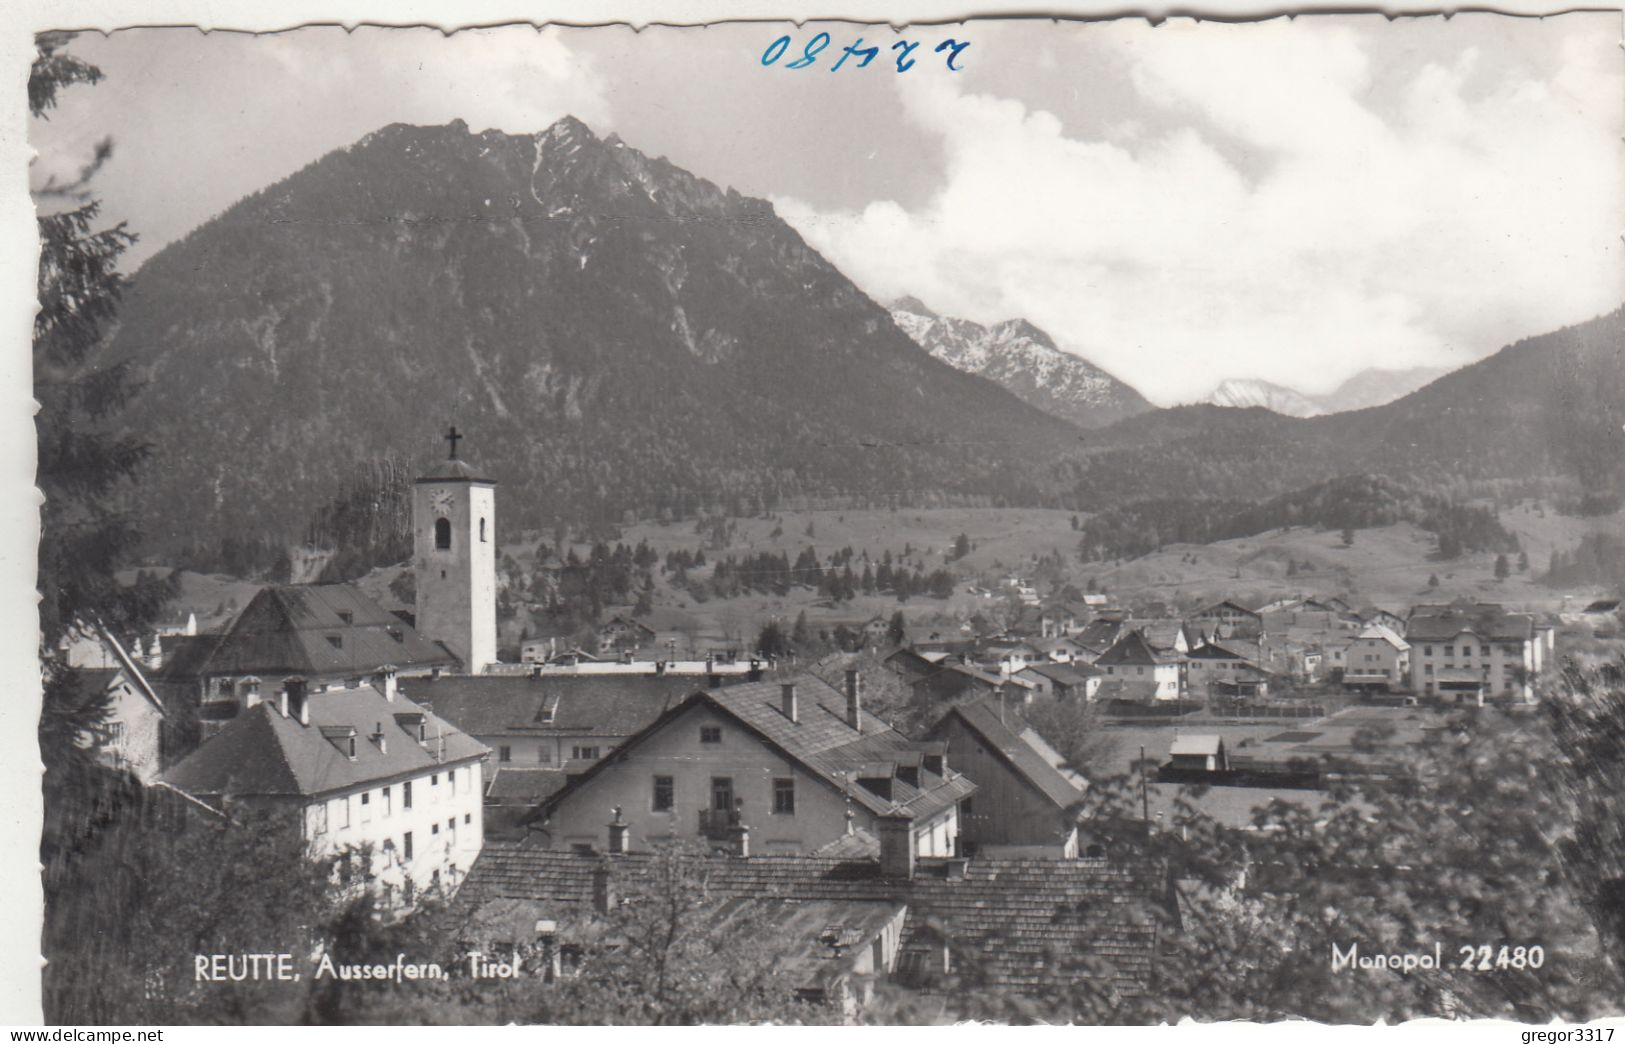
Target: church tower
x=454, y=557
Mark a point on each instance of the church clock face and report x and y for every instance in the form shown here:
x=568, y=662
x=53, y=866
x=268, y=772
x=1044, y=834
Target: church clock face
x=441, y=501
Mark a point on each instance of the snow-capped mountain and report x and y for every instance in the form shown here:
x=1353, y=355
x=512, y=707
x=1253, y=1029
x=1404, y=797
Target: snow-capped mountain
x=1022, y=358
x=1368, y=388
x=1243, y=392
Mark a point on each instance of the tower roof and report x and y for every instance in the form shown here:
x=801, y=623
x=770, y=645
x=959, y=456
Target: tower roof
x=454, y=470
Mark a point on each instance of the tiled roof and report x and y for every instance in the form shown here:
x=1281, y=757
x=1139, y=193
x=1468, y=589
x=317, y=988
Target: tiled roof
x=1016, y=750
x=292, y=630
x=1214, y=651
x=1162, y=635
x=1036, y=924
x=859, y=844
x=1226, y=607
x=524, y=786
x=820, y=739
x=1101, y=634
x=185, y=656
x=581, y=704
x=1485, y=620
x=263, y=753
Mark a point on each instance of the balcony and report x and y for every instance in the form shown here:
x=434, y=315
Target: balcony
x=718, y=825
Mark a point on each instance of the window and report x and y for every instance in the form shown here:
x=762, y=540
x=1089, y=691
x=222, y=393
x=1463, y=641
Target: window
x=584, y=753
x=406, y=794
x=468, y=817
x=482, y=530
x=1483, y=650
x=366, y=806
x=710, y=733
x=504, y=753
x=342, y=807
x=434, y=829
x=784, y=797
x=544, y=755
x=388, y=803
x=318, y=817
x=663, y=799
x=442, y=534
x=967, y=807
x=336, y=641
x=722, y=793
x=1427, y=650
x=406, y=846
x=346, y=616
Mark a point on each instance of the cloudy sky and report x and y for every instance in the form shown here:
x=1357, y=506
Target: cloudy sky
x=1295, y=200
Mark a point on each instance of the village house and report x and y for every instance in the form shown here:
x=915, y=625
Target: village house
x=960, y=681
x=1377, y=659
x=1217, y=670
x=1469, y=651
x=1200, y=753
x=1026, y=797
x=1062, y=681
x=1133, y=659
x=911, y=665
x=619, y=634
x=1006, y=654
x=332, y=636
x=788, y=767
x=553, y=721
x=1228, y=618
x=1065, y=650
x=1103, y=631
x=135, y=735
x=1062, y=619
x=1030, y=926
x=363, y=768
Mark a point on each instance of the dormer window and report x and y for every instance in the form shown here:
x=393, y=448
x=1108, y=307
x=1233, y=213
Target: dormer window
x=346, y=616
x=336, y=641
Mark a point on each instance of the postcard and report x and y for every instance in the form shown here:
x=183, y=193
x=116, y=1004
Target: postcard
x=1025, y=520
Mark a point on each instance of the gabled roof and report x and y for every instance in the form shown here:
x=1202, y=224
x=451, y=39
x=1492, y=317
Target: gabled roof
x=317, y=630
x=583, y=704
x=1018, y=751
x=131, y=670
x=1199, y=745
x=265, y=754
x=1485, y=620
x=1132, y=650
x=1101, y=633
x=1227, y=606
x=523, y=786
x=1214, y=651
x=1135, y=689
x=1065, y=673
x=820, y=740
x=1380, y=633
x=1162, y=635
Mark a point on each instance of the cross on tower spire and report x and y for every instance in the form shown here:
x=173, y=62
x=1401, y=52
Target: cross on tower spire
x=452, y=437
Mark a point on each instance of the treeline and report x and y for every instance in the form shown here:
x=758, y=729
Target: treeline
x=1599, y=558
x=1349, y=502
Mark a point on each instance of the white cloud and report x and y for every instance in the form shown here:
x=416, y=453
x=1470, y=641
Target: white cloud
x=1416, y=224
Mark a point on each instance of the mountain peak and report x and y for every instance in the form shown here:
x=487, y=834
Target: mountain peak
x=567, y=128
x=913, y=306
x=1025, y=361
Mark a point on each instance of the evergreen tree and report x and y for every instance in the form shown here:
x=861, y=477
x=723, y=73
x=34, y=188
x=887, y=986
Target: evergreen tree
x=896, y=629
x=1503, y=568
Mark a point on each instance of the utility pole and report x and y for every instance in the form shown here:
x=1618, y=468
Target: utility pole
x=1145, y=795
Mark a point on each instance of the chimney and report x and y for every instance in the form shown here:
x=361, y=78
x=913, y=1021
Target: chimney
x=617, y=834
x=298, y=699
x=896, y=845
x=282, y=703
x=251, y=696
x=387, y=683
x=787, y=693
x=378, y=737
x=854, y=699
x=755, y=670
x=435, y=673
x=603, y=889
x=956, y=867
x=155, y=654
x=741, y=841
x=535, y=671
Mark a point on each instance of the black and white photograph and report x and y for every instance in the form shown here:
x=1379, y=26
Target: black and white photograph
x=1028, y=521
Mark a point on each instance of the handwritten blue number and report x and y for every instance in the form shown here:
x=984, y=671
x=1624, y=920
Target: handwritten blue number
x=856, y=47
x=953, y=47
x=775, y=50
x=810, y=53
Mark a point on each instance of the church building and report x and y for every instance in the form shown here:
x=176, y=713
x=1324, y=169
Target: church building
x=454, y=557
